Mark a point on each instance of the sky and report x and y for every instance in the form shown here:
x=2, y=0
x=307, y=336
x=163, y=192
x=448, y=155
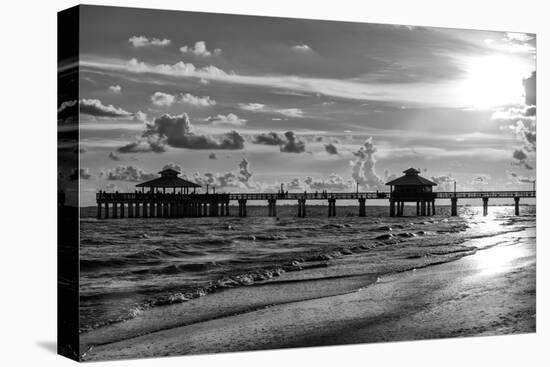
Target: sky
x=247, y=103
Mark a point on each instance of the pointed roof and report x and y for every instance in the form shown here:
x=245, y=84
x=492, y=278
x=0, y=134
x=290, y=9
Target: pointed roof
x=168, y=178
x=411, y=178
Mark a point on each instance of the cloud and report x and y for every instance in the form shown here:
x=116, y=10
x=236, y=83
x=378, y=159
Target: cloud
x=363, y=167
x=143, y=146
x=67, y=107
x=229, y=119
x=117, y=89
x=292, y=144
x=302, y=48
x=241, y=179
x=444, y=182
x=114, y=157
x=127, y=173
x=270, y=138
x=166, y=99
x=200, y=49
x=245, y=174
x=331, y=149
x=94, y=107
x=212, y=156
x=333, y=183
x=521, y=120
x=204, y=101
x=517, y=178
x=480, y=179
x=176, y=131
x=520, y=159
x=142, y=41
x=436, y=94
x=162, y=99
x=259, y=107
x=287, y=144
x=174, y=166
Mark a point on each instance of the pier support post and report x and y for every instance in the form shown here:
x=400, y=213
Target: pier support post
x=145, y=209
x=485, y=205
x=392, y=208
x=130, y=210
x=115, y=210
x=301, y=208
x=400, y=208
x=433, y=207
x=454, y=211
x=516, y=205
x=272, y=207
x=98, y=210
x=332, y=207
x=122, y=210
x=362, y=208
x=242, y=207
x=227, y=209
x=106, y=210
x=423, y=208
x=418, y=208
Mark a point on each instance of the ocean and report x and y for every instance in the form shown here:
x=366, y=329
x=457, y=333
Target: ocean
x=128, y=266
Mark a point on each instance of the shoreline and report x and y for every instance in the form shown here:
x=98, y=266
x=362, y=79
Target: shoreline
x=395, y=302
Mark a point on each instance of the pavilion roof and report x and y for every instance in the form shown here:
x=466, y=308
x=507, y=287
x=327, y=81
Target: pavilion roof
x=411, y=178
x=168, y=182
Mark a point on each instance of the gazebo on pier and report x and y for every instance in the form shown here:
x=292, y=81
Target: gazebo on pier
x=415, y=188
x=169, y=179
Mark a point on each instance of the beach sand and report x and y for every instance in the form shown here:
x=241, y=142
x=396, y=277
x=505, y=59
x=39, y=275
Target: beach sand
x=491, y=292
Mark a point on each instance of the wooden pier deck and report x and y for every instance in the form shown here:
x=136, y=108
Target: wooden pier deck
x=145, y=205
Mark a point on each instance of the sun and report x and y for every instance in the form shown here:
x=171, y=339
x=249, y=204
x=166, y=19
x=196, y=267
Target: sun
x=492, y=81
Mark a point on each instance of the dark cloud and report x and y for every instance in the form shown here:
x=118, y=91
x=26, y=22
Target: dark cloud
x=127, y=173
x=176, y=131
x=270, y=138
x=142, y=146
x=292, y=144
x=95, y=107
x=520, y=159
x=519, y=155
x=331, y=149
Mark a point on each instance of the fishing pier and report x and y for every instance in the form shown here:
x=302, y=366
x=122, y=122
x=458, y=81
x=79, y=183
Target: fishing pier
x=182, y=199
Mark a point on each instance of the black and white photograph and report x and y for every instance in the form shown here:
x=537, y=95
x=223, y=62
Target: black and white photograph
x=245, y=183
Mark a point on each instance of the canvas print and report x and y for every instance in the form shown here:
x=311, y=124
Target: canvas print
x=236, y=183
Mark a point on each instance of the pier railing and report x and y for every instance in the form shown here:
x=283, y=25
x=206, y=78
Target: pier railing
x=126, y=197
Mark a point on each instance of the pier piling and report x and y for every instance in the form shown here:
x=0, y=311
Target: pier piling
x=362, y=207
x=516, y=205
x=485, y=205
x=454, y=211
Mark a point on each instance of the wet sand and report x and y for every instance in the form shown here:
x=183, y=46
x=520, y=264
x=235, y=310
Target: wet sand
x=491, y=292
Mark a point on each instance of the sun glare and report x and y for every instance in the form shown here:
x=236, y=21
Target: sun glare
x=492, y=81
